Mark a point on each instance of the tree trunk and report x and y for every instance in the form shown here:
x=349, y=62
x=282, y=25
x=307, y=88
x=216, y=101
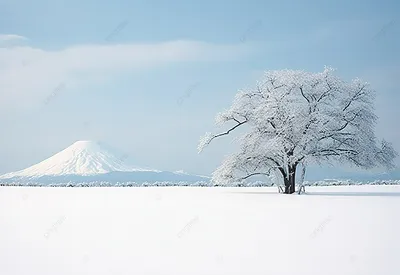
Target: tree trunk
x=290, y=180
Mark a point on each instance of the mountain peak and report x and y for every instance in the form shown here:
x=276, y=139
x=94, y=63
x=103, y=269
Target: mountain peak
x=84, y=143
x=90, y=145
x=83, y=157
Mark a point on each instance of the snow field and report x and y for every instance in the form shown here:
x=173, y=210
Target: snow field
x=191, y=230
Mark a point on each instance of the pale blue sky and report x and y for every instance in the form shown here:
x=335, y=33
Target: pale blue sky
x=126, y=64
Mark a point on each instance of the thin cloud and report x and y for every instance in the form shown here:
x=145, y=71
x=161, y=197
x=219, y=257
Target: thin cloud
x=31, y=73
x=11, y=37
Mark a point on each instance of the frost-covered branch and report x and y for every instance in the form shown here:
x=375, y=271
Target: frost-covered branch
x=206, y=139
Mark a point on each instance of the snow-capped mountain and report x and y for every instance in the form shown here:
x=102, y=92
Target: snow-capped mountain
x=91, y=161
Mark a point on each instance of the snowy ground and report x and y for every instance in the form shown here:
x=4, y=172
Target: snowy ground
x=178, y=230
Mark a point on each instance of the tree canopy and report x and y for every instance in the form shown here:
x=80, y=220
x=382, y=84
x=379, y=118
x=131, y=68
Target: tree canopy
x=296, y=117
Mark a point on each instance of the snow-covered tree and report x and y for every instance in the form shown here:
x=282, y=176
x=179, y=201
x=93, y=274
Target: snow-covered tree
x=296, y=117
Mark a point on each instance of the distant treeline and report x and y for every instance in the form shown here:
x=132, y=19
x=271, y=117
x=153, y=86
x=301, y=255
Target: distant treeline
x=196, y=184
